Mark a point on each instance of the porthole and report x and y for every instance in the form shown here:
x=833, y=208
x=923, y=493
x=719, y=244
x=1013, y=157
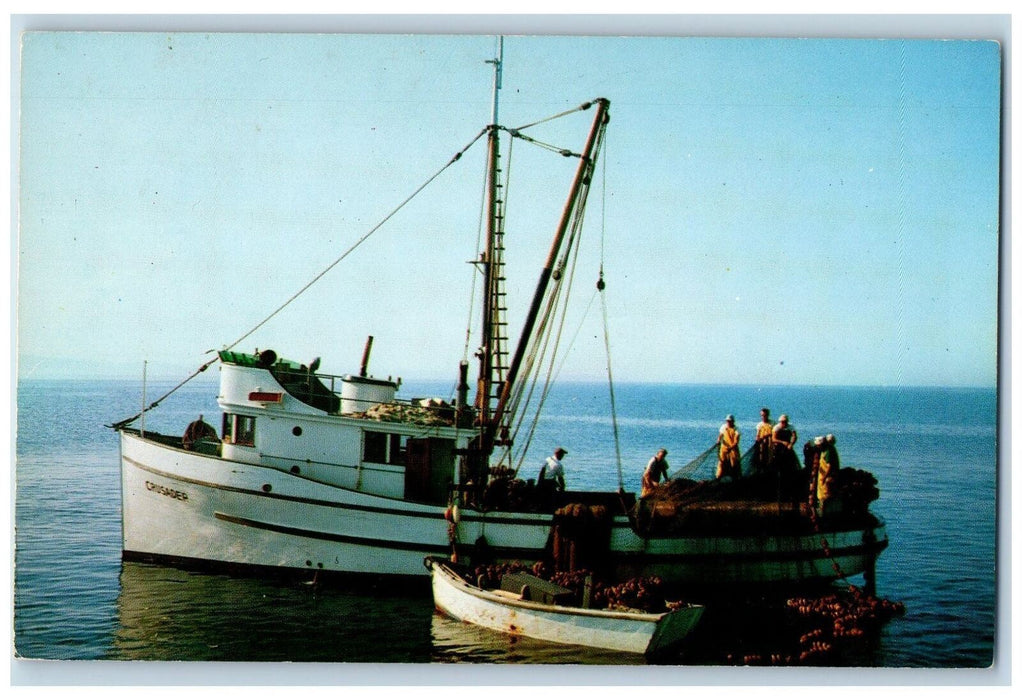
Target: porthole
x=267, y=488
x=296, y=431
x=295, y=469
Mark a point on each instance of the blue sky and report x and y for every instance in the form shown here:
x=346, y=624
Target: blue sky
x=777, y=211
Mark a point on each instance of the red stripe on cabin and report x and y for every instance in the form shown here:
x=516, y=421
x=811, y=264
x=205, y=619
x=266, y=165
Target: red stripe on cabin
x=270, y=396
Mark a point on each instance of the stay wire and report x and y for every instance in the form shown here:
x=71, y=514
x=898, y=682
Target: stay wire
x=120, y=424
x=561, y=298
x=359, y=242
x=601, y=286
x=581, y=108
x=567, y=153
x=475, y=276
x=457, y=156
x=610, y=381
x=560, y=294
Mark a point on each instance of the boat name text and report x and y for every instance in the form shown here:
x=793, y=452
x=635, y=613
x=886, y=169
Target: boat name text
x=163, y=490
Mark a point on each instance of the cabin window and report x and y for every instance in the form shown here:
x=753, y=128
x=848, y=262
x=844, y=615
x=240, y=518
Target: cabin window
x=239, y=430
x=384, y=448
x=398, y=448
x=245, y=434
x=375, y=448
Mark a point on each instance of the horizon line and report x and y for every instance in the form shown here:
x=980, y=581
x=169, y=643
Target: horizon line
x=637, y=382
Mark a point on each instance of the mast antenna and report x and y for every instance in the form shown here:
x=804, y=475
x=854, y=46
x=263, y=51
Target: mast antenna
x=498, y=69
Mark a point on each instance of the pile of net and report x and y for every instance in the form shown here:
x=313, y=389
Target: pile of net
x=425, y=412
x=771, y=499
x=642, y=594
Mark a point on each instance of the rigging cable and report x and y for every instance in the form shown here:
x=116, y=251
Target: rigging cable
x=601, y=287
x=542, y=352
x=120, y=424
x=540, y=346
x=360, y=241
x=475, y=263
x=457, y=156
x=542, y=144
x=581, y=108
x=610, y=381
x=542, y=339
x=585, y=314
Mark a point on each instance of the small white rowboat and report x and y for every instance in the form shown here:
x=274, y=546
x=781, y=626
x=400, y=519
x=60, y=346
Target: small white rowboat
x=511, y=613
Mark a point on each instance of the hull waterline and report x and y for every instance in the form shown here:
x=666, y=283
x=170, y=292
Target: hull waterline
x=183, y=506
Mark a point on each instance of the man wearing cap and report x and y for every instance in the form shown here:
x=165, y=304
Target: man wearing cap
x=553, y=470
x=655, y=470
x=782, y=445
x=728, y=458
x=811, y=454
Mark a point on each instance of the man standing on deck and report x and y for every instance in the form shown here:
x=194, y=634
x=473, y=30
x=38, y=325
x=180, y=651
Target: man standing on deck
x=826, y=472
x=764, y=433
x=729, y=458
x=553, y=470
x=782, y=446
x=655, y=470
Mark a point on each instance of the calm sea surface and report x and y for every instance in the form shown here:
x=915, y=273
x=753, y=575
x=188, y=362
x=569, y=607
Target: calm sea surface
x=933, y=451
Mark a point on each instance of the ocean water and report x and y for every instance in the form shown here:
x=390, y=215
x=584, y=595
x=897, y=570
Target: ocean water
x=934, y=452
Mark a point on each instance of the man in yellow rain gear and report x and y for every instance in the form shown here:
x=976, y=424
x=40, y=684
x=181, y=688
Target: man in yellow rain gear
x=729, y=458
x=829, y=465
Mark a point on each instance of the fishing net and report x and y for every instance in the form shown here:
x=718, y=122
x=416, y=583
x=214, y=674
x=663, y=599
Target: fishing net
x=705, y=464
x=709, y=457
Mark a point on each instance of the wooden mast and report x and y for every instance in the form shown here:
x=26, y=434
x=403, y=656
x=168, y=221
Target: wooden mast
x=486, y=355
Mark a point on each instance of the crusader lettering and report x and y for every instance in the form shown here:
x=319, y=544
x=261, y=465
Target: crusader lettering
x=163, y=490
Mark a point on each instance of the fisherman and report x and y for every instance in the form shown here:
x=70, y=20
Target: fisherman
x=655, y=470
x=197, y=430
x=761, y=449
x=811, y=459
x=811, y=454
x=552, y=471
x=782, y=444
x=830, y=463
x=728, y=457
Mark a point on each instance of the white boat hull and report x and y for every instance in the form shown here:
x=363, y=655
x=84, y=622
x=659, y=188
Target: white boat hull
x=182, y=506
x=632, y=632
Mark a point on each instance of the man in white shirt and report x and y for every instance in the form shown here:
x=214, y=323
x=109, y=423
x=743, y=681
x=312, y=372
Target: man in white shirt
x=553, y=470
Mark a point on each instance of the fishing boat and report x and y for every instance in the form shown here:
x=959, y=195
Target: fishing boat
x=310, y=471
x=518, y=609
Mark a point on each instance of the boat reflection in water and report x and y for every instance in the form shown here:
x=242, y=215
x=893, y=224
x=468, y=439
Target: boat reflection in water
x=169, y=614
x=166, y=613
x=460, y=642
